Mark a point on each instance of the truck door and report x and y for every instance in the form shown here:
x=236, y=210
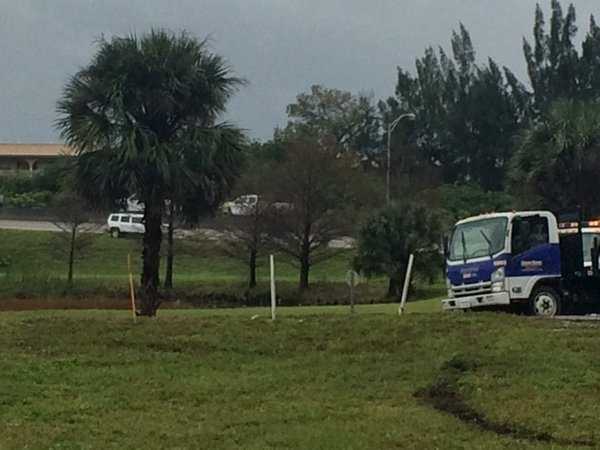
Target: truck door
x=533, y=255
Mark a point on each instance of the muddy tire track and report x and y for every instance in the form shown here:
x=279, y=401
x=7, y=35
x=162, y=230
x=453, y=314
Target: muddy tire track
x=444, y=395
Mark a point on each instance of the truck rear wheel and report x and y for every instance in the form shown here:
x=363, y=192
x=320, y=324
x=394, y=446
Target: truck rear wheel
x=545, y=302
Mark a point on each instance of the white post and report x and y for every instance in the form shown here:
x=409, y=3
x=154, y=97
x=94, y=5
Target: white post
x=273, y=293
x=406, y=284
x=352, y=274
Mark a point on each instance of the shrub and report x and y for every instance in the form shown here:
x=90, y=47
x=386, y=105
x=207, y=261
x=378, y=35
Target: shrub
x=28, y=199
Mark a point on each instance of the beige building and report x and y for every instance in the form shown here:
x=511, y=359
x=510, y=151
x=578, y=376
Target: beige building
x=29, y=157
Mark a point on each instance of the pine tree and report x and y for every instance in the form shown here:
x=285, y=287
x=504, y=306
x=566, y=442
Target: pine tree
x=467, y=114
x=589, y=63
x=556, y=69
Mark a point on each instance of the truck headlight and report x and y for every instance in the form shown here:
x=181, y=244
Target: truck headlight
x=498, y=275
x=498, y=278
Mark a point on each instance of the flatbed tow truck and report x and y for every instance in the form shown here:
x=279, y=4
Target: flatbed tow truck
x=524, y=260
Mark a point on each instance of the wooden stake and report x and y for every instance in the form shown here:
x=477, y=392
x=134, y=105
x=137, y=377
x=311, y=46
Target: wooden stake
x=131, y=288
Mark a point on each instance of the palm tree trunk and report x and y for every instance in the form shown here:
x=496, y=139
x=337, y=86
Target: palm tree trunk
x=71, y=257
x=149, y=295
x=170, y=251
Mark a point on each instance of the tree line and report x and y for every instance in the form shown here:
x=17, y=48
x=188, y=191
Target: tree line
x=145, y=117
x=477, y=123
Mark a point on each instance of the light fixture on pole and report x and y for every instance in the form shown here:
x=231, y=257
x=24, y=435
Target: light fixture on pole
x=391, y=127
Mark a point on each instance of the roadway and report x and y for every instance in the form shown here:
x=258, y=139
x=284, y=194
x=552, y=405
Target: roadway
x=210, y=234
x=35, y=225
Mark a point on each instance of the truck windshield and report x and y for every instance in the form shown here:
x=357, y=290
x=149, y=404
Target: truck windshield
x=479, y=238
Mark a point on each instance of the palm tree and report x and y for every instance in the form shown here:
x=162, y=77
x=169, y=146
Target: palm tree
x=142, y=118
x=558, y=159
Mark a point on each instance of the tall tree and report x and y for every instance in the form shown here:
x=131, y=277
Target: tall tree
x=247, y=235
x=590, y=63
x=466, y=115
x=553, y=61
x=411, y=171
x=71, y=217
x=142, y=117
x=321, y=188
x=247, y=238
x=351, y=121
x=557, y=70
x=558, y=160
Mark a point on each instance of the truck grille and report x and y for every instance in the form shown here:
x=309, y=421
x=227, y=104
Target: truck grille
x=467, y=290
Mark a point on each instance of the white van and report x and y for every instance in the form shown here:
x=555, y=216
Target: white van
x=125, y=223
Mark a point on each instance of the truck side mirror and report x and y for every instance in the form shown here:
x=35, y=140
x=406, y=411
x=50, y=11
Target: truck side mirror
x=446, y=246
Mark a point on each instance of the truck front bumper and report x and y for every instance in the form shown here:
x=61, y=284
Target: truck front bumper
x=476, y=301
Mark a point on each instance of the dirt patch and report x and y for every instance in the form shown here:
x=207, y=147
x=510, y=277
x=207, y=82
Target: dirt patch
x=38, y=304
x=200, y=295
x=444, y=395
x=33, y=304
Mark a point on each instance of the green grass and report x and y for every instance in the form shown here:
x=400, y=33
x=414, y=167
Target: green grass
x=31, y=252
x=318, y=378
x=204, y=275
x=423, y=306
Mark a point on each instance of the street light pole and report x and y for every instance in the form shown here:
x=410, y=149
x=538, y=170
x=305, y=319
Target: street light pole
x=391, y=128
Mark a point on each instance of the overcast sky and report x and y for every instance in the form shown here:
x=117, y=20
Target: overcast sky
x=281, y=47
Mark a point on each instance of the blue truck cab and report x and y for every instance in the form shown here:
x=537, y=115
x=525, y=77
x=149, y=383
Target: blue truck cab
x=524, y=259
x=504, y=259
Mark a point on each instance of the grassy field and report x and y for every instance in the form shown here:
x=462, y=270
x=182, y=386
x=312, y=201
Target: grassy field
x=33, y=253
x=318, y=378
x=204, y=275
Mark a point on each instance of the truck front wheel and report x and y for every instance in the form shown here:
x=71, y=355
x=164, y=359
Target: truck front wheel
x=545, y=302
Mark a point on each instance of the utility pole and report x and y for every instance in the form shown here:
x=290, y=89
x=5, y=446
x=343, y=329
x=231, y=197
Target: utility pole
x=391, y=128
